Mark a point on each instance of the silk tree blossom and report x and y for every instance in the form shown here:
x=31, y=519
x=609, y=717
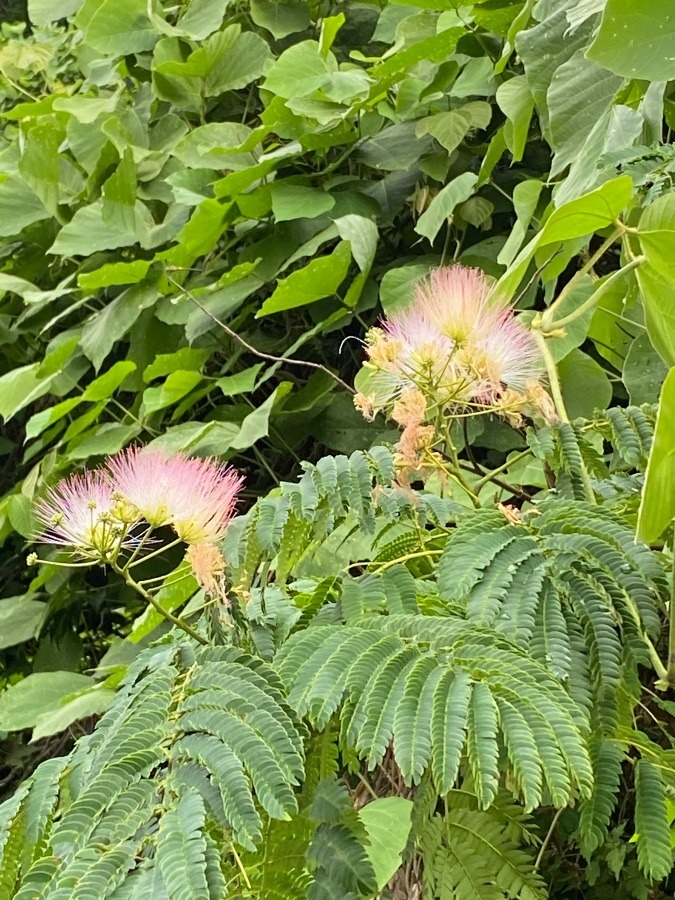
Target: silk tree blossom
x=511, y=350
x=204, y=505
x=82, y=513
x=456, y=300
x=463, y=353
x=197, y=497
x=145, y=479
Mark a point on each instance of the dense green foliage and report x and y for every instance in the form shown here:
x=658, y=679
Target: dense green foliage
x=203, y=207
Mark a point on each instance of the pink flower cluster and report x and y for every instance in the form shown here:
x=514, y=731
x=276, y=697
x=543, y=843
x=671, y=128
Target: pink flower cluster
x=452, y=351
x=97, y=513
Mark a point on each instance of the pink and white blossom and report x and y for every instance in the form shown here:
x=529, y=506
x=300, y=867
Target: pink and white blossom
x=513, y=351
x=197, y=497
x=79, y=512
x=456, y=299
x=203, y=508
x=457, y=346
x=144, y=478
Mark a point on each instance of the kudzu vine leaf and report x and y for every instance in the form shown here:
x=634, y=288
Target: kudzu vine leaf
x=281, y=19
x=387, y=821
x=583, y=216
x=516, y=102
x=585, y=385
x=442, y=206
x=320, y=278
x=643, y=372
x=23, y=702
x=657, y=507
x=300, y=71
x=297, y=201
x=636, y=40
x=20, y=619
x=655, y=276
x=117, y=27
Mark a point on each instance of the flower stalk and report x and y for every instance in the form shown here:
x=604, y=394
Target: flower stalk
x=177, y=621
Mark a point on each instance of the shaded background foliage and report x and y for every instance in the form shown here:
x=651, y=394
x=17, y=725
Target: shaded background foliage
x=196, y=197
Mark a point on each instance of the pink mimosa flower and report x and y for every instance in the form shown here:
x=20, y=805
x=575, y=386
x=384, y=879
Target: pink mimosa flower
x=144, y=479
x=455, y=346
x=456, y=300
x=513, y=351
x=422, y=345
x=80, y=512
x=208, y=499
x=197, y=497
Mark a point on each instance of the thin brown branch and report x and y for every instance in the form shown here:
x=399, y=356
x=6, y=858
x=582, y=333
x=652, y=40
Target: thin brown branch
x=251, y=349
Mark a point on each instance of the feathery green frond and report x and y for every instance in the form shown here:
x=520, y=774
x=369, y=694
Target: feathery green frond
x=655, y=852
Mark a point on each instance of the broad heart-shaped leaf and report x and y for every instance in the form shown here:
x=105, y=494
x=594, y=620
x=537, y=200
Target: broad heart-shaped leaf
x=21, y=386
x=106, y=327
x=114, y=273
x=234, y=64
x=20, y=619
x=450, y=128
x=54, y=721
x=23, y=702
x=42, y=12
x=545, y=46
x=657, y=507
x=119, y=195
x=320, y=278
x=656, y=276
x=177, y=385
x=300, y=71
x=636, y=39
x=585, y=385
x=281, y=19
x=88, y=232
x=201, y=19
x=105, y=385
x=117, y=27
x=581, y=92
x=19, y=206
x=444, y=203
x=298, y=201
x=517, y=103
x=387, y=821
x=525, y=198
x=362, y=235
x=396, y=287
x=226, y=61
x=643, y=372
x=39, y=163
x=585, y=215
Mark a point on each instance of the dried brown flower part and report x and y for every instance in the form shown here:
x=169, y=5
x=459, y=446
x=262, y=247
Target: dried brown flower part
x=208, y=565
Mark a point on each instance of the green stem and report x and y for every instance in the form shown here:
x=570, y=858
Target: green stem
x=169, y=546
x=169, y=616
x=547, y=325
x=509, y=462
x=659, y=668
x=669, y=675
x=552, y=372
x=454, y=477
x=584, y=270
x=556, y=394
x=547, y=839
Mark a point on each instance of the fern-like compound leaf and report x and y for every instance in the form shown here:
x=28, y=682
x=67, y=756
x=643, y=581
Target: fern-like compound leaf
x=181, y=849
x=655, y=855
